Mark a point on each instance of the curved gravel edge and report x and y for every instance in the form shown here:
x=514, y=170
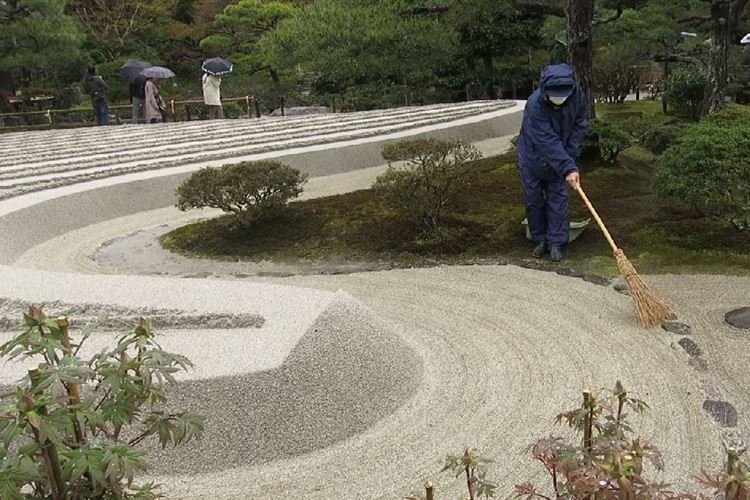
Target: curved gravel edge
x=347, y=372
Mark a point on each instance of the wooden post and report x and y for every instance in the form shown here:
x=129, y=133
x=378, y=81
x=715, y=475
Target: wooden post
x=256, y=105
x=587, y=421
x=247, y=105
x=49, y=116
x=49, y=450
x=171, y=103
x=429, y=493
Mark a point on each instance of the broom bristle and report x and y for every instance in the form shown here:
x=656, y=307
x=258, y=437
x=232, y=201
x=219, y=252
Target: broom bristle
x=650, y=307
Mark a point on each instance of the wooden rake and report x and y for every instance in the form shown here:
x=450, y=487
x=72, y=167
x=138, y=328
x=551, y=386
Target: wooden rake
x=650, y=307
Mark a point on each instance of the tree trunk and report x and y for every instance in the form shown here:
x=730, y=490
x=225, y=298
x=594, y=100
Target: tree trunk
x=724, y=19
x=470, y=69
x=580, y=16
x=489, y=72
x=277, y=86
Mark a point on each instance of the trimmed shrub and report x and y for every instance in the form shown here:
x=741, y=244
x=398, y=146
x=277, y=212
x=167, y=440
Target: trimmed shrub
x=709, y=168
x=730, y=114
x=249, y=190
x=429, y=183
x=659, y=139
x=684, y=91
x=639, y=127
x=611, y=139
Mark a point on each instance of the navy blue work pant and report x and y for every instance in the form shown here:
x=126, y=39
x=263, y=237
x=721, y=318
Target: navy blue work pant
x=546, y=207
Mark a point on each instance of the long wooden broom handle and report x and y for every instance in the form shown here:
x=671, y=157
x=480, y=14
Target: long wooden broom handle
x=591, y=208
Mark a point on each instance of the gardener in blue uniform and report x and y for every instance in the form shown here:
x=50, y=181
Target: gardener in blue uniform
x=554, y=123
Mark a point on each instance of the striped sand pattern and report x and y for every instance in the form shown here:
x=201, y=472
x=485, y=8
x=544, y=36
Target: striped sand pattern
x=72, y=156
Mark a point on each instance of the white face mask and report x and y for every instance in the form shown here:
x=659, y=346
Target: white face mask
x=557, y=101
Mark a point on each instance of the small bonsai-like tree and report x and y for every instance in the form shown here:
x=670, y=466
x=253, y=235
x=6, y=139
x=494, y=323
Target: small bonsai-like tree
x=249, y=190
x=685, y=91
x=709, y=168
x=610, y=138
x=435, y=173
x=71, y=428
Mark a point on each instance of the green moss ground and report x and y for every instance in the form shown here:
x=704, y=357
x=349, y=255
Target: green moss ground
x=658, y=236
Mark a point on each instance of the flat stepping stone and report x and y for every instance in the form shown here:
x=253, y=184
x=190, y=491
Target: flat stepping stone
x=739, y=318
x=690, y=347
x=677, y=327
x=722, y=412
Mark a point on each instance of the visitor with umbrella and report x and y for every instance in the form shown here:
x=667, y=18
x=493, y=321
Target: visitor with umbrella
x=212, y=71
x=155, y=108
x=131, y=71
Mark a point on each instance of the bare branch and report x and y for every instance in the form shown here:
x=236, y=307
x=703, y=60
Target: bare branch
x=425, y=9
x=695, y=20
x=540, y=9
x=676, y=58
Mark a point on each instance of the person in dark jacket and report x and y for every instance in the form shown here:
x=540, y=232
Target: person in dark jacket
x=554, y=123
x=138, y=98
x=95, y=86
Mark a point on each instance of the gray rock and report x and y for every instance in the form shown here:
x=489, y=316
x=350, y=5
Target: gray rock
x=698, y=363
x=739, y=318
x=533, y=264
x=677, y=327
x=567, y=271
x=621, y=288
x=722, y=412
x=595, y=279
x=690, y=346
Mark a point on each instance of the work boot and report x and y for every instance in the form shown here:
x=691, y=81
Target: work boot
x=539, y=250
x=555, y=254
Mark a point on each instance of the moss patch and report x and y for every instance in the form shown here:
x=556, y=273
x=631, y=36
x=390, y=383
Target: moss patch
x=658, y=236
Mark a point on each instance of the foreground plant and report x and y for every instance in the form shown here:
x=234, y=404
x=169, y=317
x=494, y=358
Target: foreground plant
x=471, y=466
x=610, y=462
x=71, y=427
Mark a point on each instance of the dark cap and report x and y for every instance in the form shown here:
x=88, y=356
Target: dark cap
x=559, y=91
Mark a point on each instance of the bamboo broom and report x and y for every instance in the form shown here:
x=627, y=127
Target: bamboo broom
x=649, y=306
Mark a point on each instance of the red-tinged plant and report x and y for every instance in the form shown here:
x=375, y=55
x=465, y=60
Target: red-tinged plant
x=608, y=463
x=734, y=483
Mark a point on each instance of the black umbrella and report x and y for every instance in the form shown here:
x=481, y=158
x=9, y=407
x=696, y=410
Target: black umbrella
x=217, y=66
x=133, y=68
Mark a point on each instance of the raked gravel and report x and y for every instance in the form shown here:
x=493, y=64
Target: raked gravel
x=405, y=365
x=504, y=349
